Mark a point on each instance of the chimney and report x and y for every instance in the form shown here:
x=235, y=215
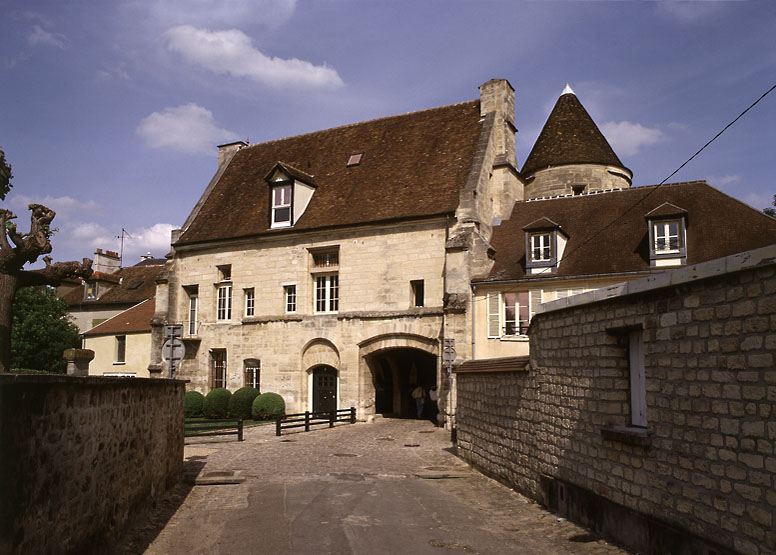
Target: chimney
x=226, y=152
x=498, y=96
x=107, y=262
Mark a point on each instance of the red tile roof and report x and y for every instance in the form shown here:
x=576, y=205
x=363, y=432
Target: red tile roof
x=570, y=136
x=414, y=165
x=607, y=232
x=133, y=320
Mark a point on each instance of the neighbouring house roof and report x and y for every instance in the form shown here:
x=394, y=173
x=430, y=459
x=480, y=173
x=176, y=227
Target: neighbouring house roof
x=133, y=320
x=413, y=165
x=607, y=232
x=570, y=136
x=137, y=283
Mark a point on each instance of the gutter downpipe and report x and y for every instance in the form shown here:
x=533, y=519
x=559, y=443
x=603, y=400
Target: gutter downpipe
x=473, y=305
x=449, y=416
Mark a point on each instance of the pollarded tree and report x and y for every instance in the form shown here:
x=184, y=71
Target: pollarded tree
x=17, y=250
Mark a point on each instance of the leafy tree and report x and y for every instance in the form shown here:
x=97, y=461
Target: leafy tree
x=771, y=210
x=26, y=249
x=41, y=330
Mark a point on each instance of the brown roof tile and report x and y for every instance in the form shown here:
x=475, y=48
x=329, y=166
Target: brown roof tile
x=414, y=165
x=133, y=320
x=137, y=284
x=607, y=232
x=570, y=136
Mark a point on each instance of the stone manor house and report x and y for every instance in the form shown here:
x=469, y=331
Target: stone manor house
x=331, y=267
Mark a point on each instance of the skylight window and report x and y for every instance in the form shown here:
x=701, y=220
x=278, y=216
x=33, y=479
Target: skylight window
x=355, y=159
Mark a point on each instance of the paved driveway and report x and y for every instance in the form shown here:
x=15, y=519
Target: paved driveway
x=388, y=487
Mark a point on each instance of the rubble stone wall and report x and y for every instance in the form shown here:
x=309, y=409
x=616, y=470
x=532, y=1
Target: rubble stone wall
x=81, y=458
x=706, y=464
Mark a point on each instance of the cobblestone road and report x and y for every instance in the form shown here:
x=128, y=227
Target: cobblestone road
x=392, y=486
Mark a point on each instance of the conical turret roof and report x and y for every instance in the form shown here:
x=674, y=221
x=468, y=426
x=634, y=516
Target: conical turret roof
x=570, y=136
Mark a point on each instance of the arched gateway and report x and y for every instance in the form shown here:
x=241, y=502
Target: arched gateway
x=394, y=364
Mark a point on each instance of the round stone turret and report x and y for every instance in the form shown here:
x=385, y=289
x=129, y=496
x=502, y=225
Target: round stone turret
x=571, y=155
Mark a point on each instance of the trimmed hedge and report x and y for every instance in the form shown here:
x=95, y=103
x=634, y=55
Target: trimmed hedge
x=216, y=403
x=241, y=402
x=267, y=406
x=192, y=404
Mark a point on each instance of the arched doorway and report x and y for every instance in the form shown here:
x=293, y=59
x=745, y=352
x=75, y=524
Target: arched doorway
x=395, y=373
x=324, y=388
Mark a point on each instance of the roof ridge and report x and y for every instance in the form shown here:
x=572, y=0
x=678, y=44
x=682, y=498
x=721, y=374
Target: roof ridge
x=347, y=125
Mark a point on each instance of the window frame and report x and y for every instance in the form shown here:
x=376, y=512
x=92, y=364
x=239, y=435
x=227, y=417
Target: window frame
x=418, y=291
x=679, y=254
x=290, y=298
x=330, y=288
x=249, y=306
x=498, y=310
x=121, y=350
x=216, y=356
x=252, y=368
x=275, y=206
x=547, y=246
x=224, y=302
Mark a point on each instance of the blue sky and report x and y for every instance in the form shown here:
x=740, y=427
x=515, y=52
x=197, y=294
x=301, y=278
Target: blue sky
x=112, y=110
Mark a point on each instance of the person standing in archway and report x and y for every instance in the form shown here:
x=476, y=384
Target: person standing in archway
x=419, y=394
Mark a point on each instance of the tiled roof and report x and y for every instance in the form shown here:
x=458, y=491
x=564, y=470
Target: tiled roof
x=413, y=165
x=137, y=284
x=570, y=136
x=607, y=232
x=133, y=320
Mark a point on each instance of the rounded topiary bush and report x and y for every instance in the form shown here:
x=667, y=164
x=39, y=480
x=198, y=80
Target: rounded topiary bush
x=241, y=402
x=192, y=404
x=267, y=406
x=216, y=403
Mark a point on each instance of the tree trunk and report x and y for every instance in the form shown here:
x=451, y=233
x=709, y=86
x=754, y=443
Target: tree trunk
x=7, y=293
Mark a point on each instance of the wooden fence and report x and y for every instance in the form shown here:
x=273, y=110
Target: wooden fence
x=308, y=419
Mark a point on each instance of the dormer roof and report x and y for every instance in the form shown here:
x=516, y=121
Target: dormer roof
x=665, y=210
x=570, y=136
x=292, y=172
x=542, y=224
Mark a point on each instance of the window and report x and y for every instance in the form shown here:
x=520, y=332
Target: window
x=91, y=290
x=509, y=313
x=289, y=292
x=638, y=390
x=281, y=206
x=218, y=368
x=667, y=236
x=192, y=325
x=541, y=247
x=250, y=302
x=225, y=272
x=327, y=293
x=252, y=373
x=121, y=349
x=326, y=259
x=224, y=308
x=418, y=293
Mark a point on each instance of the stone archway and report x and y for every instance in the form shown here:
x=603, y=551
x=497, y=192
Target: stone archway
x=321, y=363
x=391, y=365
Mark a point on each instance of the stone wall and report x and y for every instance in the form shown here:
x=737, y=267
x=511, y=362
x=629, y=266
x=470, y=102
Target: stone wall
x=703, y=471
x=83, y=457
x=560, y=180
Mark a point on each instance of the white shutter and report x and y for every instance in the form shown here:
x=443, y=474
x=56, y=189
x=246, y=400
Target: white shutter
x=494, y=313
x=536, y=300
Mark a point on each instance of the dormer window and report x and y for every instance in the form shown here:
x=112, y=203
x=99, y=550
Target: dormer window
x=667, y=235
x=541, y=247
x=544, y=244
x=281, y=205
x=290, y=191
x=91, y=290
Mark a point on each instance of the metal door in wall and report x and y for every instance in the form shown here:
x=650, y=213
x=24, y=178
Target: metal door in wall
x=324, y=389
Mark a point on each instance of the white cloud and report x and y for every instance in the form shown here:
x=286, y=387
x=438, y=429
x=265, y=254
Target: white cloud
x=39, y=35
x=232, y=52
x=83, y=238
x=65, y=207
x=723, y=180
x=270, y=13
x=759, y=200
x=188, y=128
x=627, y=137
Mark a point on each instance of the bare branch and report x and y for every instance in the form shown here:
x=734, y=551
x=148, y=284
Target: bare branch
x=54, y=274
x=5, y=217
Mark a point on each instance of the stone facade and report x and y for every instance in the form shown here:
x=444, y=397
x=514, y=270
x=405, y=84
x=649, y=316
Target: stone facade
x=702, y=471
x=561, y=180
x=81, y=458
